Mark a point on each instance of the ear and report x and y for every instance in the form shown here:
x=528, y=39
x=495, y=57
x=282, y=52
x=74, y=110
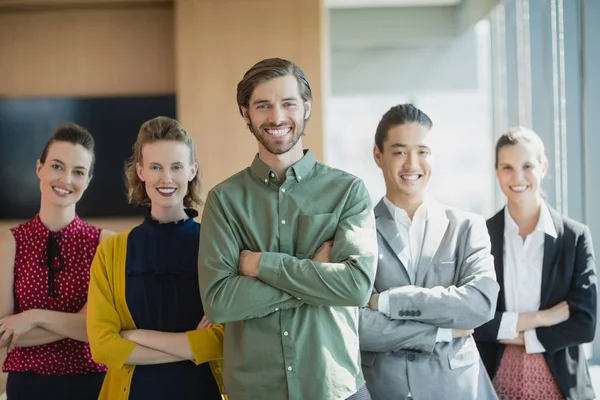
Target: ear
x=307, y=110
x=140, y=171
x=194, y=171
x=377, y=156
x=38, y=167
x=544, y=167
x=246, y=114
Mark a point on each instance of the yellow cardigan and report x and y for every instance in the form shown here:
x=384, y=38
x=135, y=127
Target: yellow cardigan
x=108, y=314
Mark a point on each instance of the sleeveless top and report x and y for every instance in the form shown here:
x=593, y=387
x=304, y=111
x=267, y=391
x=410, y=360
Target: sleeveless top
x=52, y=272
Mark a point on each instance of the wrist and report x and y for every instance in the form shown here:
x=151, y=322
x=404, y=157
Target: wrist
x=36, y=317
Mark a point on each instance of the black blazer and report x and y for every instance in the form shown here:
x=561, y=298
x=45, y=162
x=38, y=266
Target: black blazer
x=569, y=273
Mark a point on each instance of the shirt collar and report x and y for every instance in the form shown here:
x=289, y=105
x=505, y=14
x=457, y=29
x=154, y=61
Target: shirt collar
x=72, y=229
x=544, y=224
x=300, y=170
x=400, y=215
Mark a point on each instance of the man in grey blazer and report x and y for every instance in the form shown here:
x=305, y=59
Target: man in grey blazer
x=435, y=279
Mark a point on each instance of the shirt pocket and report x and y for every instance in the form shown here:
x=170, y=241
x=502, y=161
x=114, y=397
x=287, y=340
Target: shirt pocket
x=444, y=272
x=313, y=231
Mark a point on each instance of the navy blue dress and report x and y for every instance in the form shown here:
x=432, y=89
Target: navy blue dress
x=163, y=295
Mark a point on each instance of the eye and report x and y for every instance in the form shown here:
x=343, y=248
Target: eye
x=57, y=167
x=507, y=168
x=527, y=166
x=424, y=153
x=262, y=107
x=289, y=104
x=154, y=167
x=80, y=173
x=400, y=153
x=177, y=167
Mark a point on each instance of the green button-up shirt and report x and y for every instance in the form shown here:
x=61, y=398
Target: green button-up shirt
x=291, y=333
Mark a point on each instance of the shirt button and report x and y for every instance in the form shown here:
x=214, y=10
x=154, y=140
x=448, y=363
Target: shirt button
x=272, y=175
x=283, y=221
x=290, y=368
x=285, y=333
x=299, y=298
x=282, y=190
x=276, y=308
x=299, y=177
x=411, y=357
x=266, y=181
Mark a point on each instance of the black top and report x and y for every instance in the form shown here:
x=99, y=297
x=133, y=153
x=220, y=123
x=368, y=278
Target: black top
x=568, y=273
x=162, y=294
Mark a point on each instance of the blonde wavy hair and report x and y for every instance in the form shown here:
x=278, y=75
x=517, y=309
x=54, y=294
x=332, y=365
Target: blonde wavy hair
x=155, y=130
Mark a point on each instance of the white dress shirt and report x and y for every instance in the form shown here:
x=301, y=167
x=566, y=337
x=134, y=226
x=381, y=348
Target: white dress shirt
x=413, y=233
x=523, y=263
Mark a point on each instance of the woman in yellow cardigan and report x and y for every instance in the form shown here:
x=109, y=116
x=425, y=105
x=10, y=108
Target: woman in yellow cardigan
x=145, y=319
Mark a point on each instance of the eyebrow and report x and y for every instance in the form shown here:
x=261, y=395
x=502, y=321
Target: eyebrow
x=402, y=145
x=255, y=102
x=62, y=163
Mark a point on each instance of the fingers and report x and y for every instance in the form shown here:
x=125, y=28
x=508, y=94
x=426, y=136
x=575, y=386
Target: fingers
x=204, y=323
x=13, y=342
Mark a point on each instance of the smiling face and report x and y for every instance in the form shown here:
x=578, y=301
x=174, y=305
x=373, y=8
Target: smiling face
x=277, y=115
x=64, y=176
x=520, y=171
x=166, y=170
x=405, y=161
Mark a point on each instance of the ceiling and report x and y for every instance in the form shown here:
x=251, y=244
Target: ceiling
x=388, y=3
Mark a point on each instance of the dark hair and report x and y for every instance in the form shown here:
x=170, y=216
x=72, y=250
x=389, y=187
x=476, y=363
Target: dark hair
x=399, y=115
x=518, y=135
x=74, y=134
x=155, y=130
x=266, y=70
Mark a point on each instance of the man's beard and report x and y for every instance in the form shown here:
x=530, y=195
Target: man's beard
x=275, y=146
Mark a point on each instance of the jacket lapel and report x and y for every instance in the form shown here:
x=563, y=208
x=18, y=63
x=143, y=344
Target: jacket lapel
x=387, y=228
x=552, y=248
x=435, y=229
x=495, y=227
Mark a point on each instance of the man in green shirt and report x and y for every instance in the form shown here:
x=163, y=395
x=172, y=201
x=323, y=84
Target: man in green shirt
x=287, y=255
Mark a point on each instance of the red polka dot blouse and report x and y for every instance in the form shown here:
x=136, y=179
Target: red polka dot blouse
x=62, y=286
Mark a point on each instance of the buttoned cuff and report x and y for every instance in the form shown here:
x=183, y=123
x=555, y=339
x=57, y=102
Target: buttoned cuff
x=443, y=335
x=532, y=343
x=508, y=326
x=383, y=303
x=269, y=267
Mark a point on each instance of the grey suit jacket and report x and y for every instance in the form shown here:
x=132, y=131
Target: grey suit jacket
x=454, y=286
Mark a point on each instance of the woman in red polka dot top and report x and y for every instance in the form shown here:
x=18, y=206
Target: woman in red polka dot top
x=44, y=277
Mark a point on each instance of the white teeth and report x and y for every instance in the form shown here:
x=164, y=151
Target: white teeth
x=166, y=191
x=410, y=177
x=518, y=188
x=62, y=191
x=278, y=132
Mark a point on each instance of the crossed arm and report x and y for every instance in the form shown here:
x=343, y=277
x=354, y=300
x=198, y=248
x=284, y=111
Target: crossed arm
x=461, y=307
x=37, y=326
x=569, y=322
x=274, y=281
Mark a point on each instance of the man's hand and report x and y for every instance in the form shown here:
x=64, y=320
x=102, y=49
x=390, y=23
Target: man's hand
x=374, y=302
x=249, y=263
x=323, y=253
x=555, y=315
x=204, y=323
x=458, y=333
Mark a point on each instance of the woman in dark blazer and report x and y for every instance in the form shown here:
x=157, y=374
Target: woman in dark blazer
x=546, y=307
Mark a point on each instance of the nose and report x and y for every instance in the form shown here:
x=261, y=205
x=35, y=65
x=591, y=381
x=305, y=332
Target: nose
x=411, y=162
x=166, y=175
x=519, y=174
x=66, y=177
x=277, y=115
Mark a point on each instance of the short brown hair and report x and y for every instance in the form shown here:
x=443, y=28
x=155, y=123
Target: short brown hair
x=518, y=135
x=266, y=70
x=155, y=130
x=74, y=134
